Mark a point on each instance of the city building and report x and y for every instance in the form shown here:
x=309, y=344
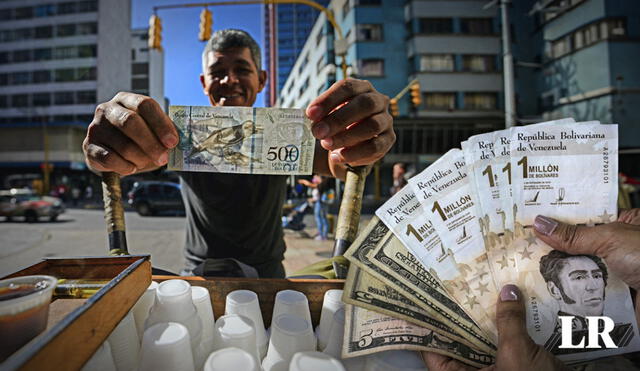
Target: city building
x=57, y=60
x=147, y=68
x=287, y=27
x=452, y=48
x=587, y=66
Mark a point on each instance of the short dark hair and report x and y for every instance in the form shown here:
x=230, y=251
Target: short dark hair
x=232, y=38
x=552, y=263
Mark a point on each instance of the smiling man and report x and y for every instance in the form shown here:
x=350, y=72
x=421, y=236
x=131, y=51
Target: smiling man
x=234, y=215
x=578, y=283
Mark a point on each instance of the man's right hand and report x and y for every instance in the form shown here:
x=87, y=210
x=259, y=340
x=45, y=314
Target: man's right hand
x=129, y=134
x=618, y=243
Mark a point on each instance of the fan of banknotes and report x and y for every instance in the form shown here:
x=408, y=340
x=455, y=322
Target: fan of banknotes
x=427, y=270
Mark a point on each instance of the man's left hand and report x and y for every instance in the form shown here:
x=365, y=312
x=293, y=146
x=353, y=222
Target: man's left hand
x=353, y=123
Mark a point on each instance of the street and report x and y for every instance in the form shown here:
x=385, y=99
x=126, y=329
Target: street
x=80, y=232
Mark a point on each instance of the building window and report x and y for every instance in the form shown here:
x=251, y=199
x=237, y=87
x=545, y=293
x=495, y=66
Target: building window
x=44, y=32
x=369, y=32
x=41, y=76
x=368, y=2
x=23, y=13
x=320, y=65
x=90, y=28
x=21, y=56
x=46, y=10
x=440, y=101
x=603, y=30
x=435, y=25
x=345, y=9
x=4, y=58
x=43, y=54
x=41, y=99
x=479, y=63
x=64, y=30
x=304, y=87
x=87, y=51
x=4, y=101
x=303, y=65
x=140, y=68
x=436, y=62
x=67, y=8
x=480, y=101
x=86, y=97
x=64, y=74
x=63, y=97
x=561, y=47
x=20, y=100
x=140, y=83
x=476, y=26
x=19, y=78
x=319, y=38
x=371, y=67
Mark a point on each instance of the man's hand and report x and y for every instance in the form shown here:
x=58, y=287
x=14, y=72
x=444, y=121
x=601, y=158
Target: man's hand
x=516, y=350
x=618, y=243
x=352, y=121
x=129, y=134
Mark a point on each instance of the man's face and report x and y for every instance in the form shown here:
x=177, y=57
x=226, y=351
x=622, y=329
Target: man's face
x=398, y=172
x=231, y=78
x=583, y=283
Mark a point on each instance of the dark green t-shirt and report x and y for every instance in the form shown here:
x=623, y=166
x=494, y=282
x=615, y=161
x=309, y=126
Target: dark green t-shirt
x=233, y=216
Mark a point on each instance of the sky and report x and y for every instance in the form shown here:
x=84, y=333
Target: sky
x=183, y=50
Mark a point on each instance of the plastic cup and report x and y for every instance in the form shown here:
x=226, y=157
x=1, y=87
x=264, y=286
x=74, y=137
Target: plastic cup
x=234, y=330
x=142, y=306
x=330, y=304
x=124, y=343
x=174, y=304
x=245, y=303
x=101, y=360
x=202, y=301
x=231, y=359
x=166, y=346
x=315, y=361
x=335, y=338
x=291, y=301
x=290, y=334
x=394, y=360
x=24, y=310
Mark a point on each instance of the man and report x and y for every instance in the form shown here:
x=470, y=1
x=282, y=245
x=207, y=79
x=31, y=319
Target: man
x=577, y=282
x=399, y=179
x=232, y=215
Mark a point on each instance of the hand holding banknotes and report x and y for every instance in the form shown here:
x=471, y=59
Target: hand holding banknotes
x=128, y=134
x=516, y=350
x=352, y=121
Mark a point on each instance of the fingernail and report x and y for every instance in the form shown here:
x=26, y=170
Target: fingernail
x=320, y=130
x=169, y=140
x=335, y=157
x=544, y=225
x=314, y=112
x=133, y=170
x=163, y=158
x=509, y=293
x=328, y=142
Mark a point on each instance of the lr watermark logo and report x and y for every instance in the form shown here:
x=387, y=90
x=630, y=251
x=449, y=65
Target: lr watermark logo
x=598, y=327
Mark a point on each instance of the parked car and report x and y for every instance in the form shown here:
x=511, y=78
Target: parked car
x=26, y=203
x=153, y=197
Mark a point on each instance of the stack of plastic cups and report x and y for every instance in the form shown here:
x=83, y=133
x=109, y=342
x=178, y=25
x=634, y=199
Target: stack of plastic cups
x=101, y=360
x=395, y=360
x=234, y=330
x=143, y=305
x=315, y=361
x=290, y=334
x=202, y=302
x=245, y=303
x=335, y=337
x=330, y=304
x=174, y=304
x=291, y=301
x=231, y=359
x=166, y=346
x=125, y=344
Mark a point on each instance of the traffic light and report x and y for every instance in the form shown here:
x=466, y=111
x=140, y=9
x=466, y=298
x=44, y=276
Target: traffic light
x=206, y=22
x=393, y=107
x=416, y=95
x=155, y=32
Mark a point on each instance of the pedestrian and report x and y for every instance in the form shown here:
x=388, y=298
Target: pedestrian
x=88, y=193
x=75, y=196
x=399, y=179
x=237, y=217
x=320, y=198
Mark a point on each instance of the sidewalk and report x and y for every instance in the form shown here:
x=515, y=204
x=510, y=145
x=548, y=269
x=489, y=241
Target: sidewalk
x=303, y=250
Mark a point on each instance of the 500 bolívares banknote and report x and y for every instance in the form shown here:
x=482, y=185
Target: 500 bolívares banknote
x=242, y=140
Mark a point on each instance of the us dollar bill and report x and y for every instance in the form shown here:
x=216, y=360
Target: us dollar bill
x=368, y=332
x=427, y=294
x=366, y=291
x=242, y=140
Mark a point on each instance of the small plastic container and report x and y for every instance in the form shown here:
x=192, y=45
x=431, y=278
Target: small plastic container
x=245, y=303
x=24, y=310
x=166, y=346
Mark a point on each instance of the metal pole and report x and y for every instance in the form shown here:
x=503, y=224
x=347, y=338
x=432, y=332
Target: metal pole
x=507, y=61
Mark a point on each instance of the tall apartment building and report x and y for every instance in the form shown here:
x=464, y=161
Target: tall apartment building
x=451, y=47
x=290, y=24
x=57, y=60
x=147, y=68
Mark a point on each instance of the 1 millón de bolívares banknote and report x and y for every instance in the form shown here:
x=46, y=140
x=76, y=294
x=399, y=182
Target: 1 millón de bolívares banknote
x=242, y=140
